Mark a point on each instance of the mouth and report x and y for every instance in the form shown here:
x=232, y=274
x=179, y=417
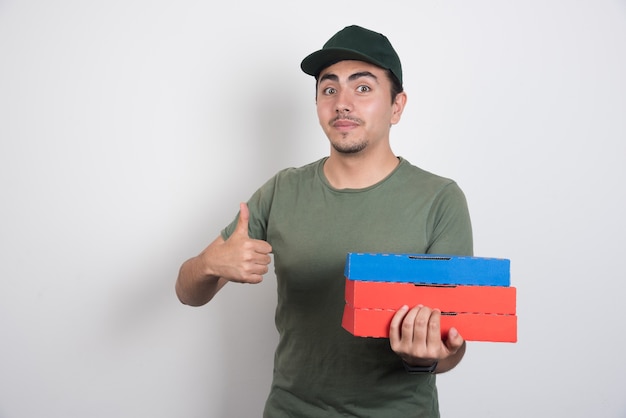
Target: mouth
x=344, y=123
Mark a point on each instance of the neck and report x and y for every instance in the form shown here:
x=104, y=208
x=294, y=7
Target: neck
x=358, y=171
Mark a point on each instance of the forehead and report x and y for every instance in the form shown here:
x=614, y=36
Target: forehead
x=344, y=69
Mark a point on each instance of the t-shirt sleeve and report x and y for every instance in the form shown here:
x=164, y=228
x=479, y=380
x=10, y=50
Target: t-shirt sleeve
x=450, y=223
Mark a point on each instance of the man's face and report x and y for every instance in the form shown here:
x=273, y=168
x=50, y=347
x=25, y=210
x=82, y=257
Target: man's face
x=354, y=106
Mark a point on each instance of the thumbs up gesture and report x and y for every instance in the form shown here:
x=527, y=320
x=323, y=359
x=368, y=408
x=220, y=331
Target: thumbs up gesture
x=244, y=260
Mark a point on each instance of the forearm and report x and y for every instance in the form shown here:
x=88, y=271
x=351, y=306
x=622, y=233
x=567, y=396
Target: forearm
x=239, y=259
x=195, y=284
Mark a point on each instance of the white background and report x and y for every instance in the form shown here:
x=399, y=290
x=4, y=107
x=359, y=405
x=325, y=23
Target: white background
x=130, y=131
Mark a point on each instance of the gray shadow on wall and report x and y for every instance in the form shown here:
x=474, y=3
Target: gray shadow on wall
x=247, y=326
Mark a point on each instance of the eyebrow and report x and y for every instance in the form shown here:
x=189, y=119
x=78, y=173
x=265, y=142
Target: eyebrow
x=355, y=76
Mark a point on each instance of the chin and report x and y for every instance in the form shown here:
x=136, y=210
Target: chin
x=349, y=149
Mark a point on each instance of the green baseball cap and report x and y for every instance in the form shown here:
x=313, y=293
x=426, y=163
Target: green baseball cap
x=354, y=43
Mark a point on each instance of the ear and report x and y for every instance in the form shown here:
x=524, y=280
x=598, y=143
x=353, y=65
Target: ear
x=398, y=107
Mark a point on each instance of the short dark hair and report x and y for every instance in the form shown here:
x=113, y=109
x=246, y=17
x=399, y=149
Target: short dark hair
x=396, y=85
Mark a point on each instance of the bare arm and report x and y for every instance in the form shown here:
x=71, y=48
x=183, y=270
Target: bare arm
x=195, y=285
x=237, y=259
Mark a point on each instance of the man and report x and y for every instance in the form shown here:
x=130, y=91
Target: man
x=361, y=198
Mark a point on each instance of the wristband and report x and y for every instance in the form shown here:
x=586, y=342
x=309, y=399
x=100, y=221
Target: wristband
x=420, y=369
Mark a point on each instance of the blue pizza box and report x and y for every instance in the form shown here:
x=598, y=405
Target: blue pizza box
x=428, y=269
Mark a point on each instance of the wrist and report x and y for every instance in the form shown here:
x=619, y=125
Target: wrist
x=425, y=368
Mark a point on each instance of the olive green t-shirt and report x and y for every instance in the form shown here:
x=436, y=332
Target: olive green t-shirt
x=321, y=370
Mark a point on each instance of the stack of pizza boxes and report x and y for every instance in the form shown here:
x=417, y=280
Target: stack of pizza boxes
x=473, y=294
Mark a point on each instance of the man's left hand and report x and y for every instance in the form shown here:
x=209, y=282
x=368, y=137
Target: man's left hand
x=415, y=336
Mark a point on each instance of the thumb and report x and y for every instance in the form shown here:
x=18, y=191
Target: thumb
x=242, y=223
x=454, y=340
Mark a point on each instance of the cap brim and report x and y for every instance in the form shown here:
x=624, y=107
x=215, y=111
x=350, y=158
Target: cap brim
x=314, y=63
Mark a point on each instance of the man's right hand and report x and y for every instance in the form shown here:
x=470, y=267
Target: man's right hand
x=240, y=258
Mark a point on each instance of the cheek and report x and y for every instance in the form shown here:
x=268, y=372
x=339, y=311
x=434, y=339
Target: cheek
x=322, y=118
x=324, y=111
x=377, y=113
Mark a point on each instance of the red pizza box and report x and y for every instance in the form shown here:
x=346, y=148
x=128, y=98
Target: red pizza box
x=363, y=322
x=466, y=299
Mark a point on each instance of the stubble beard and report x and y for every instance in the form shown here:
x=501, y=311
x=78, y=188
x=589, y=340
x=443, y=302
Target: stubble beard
x=349, y=148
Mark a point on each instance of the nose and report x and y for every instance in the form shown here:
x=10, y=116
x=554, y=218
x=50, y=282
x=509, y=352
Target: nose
x=343, y=102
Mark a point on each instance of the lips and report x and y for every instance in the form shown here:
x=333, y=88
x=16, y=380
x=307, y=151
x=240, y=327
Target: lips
x=344, y=123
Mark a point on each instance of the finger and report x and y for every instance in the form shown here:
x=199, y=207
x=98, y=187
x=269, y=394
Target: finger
x=395, y=332
x=242, y=222
x=454, y=340
x=264, y=248
x=419, y=326
x=257, y=269
x=434, y=329
x=409, y=324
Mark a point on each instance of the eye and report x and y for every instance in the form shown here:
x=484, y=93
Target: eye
x=363, y=89
x=329, y=90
